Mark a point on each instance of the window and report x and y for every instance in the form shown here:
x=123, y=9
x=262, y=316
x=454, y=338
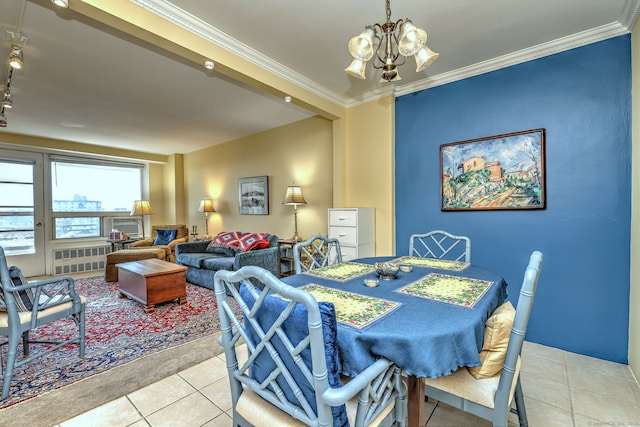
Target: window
x=84, y=191
x=16, y=207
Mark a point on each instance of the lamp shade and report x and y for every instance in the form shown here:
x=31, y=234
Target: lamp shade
x=141, y=207
x=424, y=58
x=412, y=39
x=206, y=205
x=294, y=196
x=357, y=69
x=362, y=47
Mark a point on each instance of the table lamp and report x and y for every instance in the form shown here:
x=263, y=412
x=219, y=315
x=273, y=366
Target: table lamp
x=141, y=208
x=294, y=198
x=206, y=206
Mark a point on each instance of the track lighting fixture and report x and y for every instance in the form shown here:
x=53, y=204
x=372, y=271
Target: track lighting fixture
x=3, y=119
x=16, y=59
x=6, y=99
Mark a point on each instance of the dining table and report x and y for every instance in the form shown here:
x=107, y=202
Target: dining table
x=429, y=318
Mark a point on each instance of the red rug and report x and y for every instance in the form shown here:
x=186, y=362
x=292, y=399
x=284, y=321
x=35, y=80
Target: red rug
x=117, y=332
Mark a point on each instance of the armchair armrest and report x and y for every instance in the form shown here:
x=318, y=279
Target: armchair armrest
x=173, y=243
x=145, y=242
x=192, y=247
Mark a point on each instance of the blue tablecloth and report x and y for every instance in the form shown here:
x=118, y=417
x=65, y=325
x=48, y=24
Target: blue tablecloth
x=424, y=337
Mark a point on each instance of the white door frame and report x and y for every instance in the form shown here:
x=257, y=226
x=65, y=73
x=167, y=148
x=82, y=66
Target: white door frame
x=32, y=264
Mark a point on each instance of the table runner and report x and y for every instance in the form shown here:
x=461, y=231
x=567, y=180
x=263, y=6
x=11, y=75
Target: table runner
x=355, y=310
x=461, y=291
x=342, y=271
x=440, y=264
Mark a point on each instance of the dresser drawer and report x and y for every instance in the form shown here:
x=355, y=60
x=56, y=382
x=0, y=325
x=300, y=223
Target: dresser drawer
x=348, y=253
x=343, y=218
x=346, y=235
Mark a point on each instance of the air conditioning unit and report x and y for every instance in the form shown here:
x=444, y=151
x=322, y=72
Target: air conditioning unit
x=130, y=225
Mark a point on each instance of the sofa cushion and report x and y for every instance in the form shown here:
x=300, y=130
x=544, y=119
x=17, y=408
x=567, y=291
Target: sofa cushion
x=220, y=249
x=164, y=236
x=217, y=263
x=193, y=259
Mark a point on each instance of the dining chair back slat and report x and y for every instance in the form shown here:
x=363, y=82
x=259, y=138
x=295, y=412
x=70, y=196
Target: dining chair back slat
x=316, y=252
x=440, y=244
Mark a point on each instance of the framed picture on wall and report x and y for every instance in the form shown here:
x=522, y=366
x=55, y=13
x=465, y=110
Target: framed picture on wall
x=253, y=195
x=494, y=173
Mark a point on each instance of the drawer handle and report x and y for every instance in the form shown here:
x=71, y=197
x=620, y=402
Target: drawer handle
x=342, y=234
x=342, y=218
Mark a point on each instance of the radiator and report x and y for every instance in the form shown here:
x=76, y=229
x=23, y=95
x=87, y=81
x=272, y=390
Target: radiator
x=80, y=259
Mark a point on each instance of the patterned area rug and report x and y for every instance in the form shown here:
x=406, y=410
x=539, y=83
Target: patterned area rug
x=117, y=332
x=462, y=291
x=355, y=310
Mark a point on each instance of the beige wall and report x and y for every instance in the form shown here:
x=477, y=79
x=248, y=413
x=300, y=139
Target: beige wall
x=634, y=297
x=369, y=160
x=300, y=152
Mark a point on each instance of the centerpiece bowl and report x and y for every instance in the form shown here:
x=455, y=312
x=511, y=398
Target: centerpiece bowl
x=387, y=270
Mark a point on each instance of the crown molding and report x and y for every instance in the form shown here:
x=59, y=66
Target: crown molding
x=545, y=49
x=195, y=25
x=630, y=13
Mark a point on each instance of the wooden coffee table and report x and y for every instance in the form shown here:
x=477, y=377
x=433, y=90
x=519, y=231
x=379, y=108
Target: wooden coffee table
x=152, y=281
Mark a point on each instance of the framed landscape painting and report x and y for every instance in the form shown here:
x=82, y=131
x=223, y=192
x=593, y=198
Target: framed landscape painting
x=253, y=195
x=494, y=173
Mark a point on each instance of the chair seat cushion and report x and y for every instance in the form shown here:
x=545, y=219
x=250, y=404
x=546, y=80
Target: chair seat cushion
x=259, y=412
x=25, y=316
x=464, y=386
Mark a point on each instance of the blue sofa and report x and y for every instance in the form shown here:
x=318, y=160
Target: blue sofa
x=203, y=263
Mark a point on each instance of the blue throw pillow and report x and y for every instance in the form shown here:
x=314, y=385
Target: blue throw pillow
x=296, y=329
x=164, y=236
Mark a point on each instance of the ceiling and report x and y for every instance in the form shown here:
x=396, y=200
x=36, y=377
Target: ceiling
x=88, y=83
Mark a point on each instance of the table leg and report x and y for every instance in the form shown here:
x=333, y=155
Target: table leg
x=416, y=402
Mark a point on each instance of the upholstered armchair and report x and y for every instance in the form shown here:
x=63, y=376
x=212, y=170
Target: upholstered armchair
x=162, y=236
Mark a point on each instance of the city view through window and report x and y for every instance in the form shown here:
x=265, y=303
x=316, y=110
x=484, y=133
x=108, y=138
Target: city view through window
x=82, y=194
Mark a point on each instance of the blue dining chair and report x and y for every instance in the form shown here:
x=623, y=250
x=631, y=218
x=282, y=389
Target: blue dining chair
x=25, y=306
x=316, y=252
x=290, y=376
x=440, y=244
x=492, y=398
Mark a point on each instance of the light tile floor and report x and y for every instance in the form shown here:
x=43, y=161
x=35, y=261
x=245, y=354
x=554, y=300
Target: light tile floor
x=561, y=389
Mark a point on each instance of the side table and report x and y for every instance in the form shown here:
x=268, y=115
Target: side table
x=286, y=265
x=120, y=244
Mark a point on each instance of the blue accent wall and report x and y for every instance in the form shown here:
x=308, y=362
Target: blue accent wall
x=582, y=98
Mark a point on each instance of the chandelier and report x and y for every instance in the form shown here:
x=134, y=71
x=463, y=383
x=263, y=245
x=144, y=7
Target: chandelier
x=385, y=43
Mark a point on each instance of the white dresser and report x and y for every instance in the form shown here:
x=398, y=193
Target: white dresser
x=355, y=228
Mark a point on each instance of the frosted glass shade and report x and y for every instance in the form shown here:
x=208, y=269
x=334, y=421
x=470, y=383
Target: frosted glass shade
x=357, y=69
x=424, y=58
x=361, y=47
x=411, y=40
